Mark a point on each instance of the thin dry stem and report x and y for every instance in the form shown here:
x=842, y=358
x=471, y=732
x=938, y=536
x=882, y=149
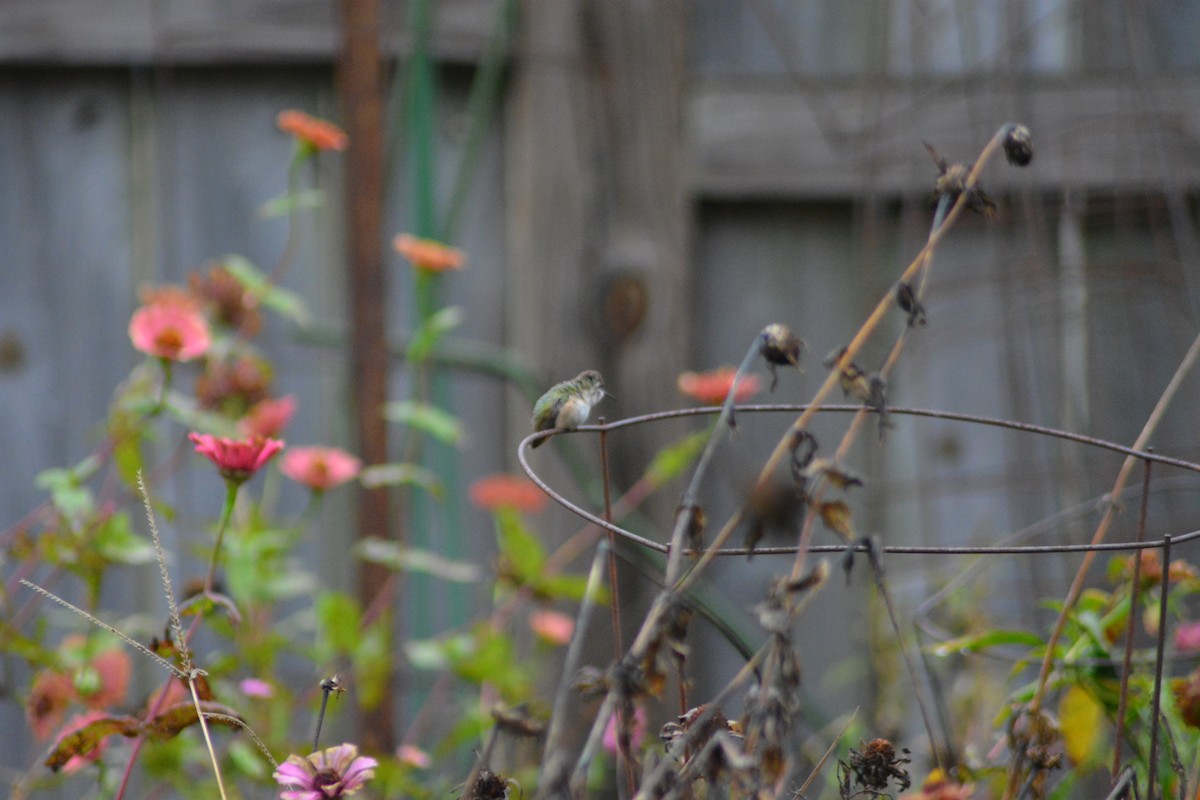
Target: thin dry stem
x=183, y=676
x=176, y=625
x=207, y=739
x=816, y=770
x=1152, y=422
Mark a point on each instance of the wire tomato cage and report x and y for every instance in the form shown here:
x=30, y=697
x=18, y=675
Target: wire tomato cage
x=1148, y=457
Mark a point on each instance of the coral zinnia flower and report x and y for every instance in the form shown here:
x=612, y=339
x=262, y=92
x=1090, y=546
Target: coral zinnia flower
x=169, y=330
x=268, y=418
x=507, y=491
x=553, y=627
x=48, y=701
x=333, y=772
x=113, y=668
x=427, y=254
x=237, y=459
x=712, y=387
x=318, y=133
x=320, y=468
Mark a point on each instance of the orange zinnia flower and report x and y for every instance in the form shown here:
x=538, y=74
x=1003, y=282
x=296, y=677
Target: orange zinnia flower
x=507, y=491
x=712, y=387
x=318, y=133
x=427, y=254
x=320, y=468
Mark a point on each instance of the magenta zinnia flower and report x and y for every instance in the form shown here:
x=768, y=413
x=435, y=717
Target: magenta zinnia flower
x=333, y=772
x=237, y=459
x=320, y=468
x=173, y=331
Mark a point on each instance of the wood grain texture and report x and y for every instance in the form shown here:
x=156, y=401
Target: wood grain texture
x=597, y=217
x=839, y=139
x=216, y=31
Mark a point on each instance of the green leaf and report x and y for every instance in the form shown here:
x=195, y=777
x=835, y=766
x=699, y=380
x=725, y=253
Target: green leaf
x=187, y=411
x=116, y=542
x=247, y=760
x=569, y=587
x=283, y=302
x=409, y=559
x=338, y=622
x=285, y=204
x=372, y=666
x=437, y=326
x=437, y=654
x=675, y=458
x=70, y=498
x=429, y=419
x=518, y=546
x=401, y=475
x=977, y=642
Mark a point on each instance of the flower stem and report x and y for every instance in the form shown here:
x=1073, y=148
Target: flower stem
x=231, y=489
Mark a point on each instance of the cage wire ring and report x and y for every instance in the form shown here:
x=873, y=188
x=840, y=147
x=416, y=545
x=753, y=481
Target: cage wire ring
x=1089, y=441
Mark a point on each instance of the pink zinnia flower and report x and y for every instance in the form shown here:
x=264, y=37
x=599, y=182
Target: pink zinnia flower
x=320, y=468
x=553, y=627
x=413, y=756
x=507, y=491
x=237, y=459
x=268, y=418
x=333, y=772
x=637, y=732
x=255, y=687
x=711, y=387
x=1187, y=637
x=427, y=254
x=173, y=331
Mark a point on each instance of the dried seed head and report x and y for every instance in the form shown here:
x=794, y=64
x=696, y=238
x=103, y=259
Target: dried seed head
x=1018, y=146
x=780, y=346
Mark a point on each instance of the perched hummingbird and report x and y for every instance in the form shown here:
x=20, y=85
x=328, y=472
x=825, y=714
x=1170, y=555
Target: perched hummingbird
x=566, y=405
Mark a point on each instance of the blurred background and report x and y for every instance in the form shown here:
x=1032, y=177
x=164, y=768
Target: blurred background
x=655, y=182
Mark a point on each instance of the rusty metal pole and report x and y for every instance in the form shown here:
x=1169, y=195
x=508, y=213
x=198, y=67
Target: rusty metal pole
x=360, y=83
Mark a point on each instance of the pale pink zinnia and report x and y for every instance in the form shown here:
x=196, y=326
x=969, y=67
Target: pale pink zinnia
x=413, y=756
x=1187, y=637
x=267, y=418
x=320, y=468
x=637, y=732
x=237, y=459
x=172, y=331
x=333, y=772
x=553, y=627
x=256, y=687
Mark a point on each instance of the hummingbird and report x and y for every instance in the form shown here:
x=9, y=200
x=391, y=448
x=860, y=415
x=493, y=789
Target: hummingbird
x=567, y=405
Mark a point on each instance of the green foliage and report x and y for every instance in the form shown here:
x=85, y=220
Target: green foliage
x=428, y=419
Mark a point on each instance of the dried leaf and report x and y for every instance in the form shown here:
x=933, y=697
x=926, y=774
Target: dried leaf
x=169, y=723
x=88, y=738
x=837, y=517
